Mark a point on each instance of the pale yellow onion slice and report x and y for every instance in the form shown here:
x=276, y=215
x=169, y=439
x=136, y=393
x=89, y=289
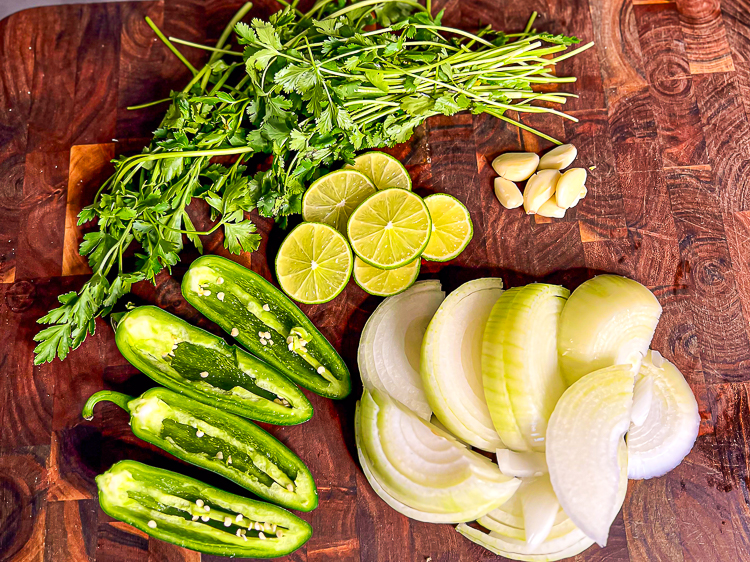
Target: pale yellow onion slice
x=671, y=425
x=540, y=508
x=521, y=465
x=520, y=371
x=507, y=536
x=608, y=320
x=440, y=476
x=451, y=363
x=391, y=342
x=586, y=456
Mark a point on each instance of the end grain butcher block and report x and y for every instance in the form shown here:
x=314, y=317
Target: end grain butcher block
x=662, y=114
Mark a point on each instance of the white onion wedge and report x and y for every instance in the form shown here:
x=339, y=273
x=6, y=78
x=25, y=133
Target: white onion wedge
x=391, y=342
x=424, y=468
x=522, y=381
x=643, y=394
x=608, y=320
x=540, y=508
x=521, y=465
x=451, y=363
x=671, y=425
x=507, y=535
x=586, y=454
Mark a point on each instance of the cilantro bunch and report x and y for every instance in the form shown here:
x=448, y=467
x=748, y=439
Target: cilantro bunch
x=311, y=89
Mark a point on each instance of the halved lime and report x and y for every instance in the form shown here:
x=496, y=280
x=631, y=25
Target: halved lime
x=314, y=263
x=385, y=282
x=383, y=169
x=451, y=227
x=390, y=228
x=332, y=198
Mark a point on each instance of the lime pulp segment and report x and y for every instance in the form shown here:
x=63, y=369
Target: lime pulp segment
x=314, y=263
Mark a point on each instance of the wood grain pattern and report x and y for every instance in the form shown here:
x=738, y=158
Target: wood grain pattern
x=663, y=115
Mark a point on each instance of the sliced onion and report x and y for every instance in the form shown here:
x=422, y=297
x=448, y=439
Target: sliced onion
x=586, y=453
x=451, y=363
x=522, y=381
x=608, y=320
x=521, y=465
x=642, y=396
x=423, y=468
x=671, y=425
x=390, y=346
x=540, y=508
x=567, y=544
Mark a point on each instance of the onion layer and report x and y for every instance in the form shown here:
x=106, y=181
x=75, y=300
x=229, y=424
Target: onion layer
x=423, y=468
x=389, y=349
x=520, y=371
x=608, y=320
x=586, y=454
x=671, y=424
x=451, y=363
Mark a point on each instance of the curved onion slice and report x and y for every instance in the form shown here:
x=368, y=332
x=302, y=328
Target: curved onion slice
x=521, y=465
x=671, y=426
x=451, y=363
x=643, y=394
x=540, y=507
x=423, y=468
x=608, y=320
x=507, y=535
x=520, y=372
x=391, y=342
x=586, y=454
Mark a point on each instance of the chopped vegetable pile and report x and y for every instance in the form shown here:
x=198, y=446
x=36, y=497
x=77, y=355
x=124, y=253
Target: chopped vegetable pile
x=562, y=387
x=310, y=89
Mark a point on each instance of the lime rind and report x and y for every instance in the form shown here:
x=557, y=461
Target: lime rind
x=382, y=278
x=384, y=170
x=436, y=233
x=372, y=230
x=327, y=252
x=332, y=198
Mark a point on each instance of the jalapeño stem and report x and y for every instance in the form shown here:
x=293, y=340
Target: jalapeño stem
x=105, y=395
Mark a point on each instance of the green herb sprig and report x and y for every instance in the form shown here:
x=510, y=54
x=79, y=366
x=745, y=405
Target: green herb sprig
x=311, y=89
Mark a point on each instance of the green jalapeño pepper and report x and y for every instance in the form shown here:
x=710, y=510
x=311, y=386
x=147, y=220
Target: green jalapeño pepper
x=266, y=322
x=189, y=513
x=217, y=441
x=203, y=366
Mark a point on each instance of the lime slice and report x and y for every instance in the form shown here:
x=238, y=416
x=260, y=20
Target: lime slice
x=332, y=198
x=383, y=169
x=451, y=227
x=385, y=282
x=314, y=263
x=390, y=228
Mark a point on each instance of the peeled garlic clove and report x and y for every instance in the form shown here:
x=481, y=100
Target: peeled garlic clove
x=581, y=195
x=539, y=188
x=508, y=193
x=569, y=187
x=558, y=158
x=516, y=166
x=550, y=209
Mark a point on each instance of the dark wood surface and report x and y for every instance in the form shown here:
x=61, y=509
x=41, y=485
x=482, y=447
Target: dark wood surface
x=663, y=115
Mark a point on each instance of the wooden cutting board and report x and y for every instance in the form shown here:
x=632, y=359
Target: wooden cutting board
x=662, y=114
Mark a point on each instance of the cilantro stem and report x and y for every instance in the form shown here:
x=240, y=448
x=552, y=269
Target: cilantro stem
x=228, y=29
x=455, y=31
x=149, y=104
x=359, y=5
x=171, y=47
x=204, y=47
